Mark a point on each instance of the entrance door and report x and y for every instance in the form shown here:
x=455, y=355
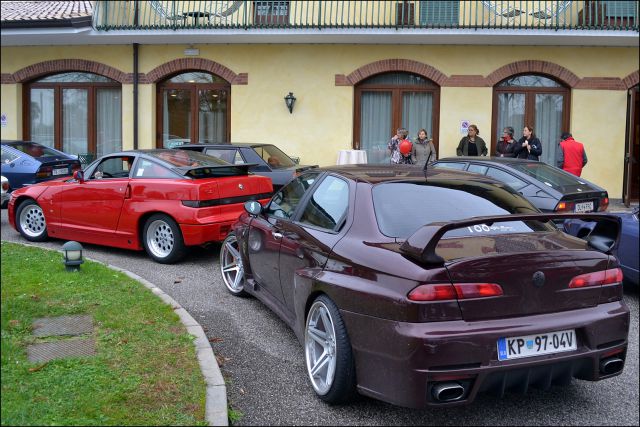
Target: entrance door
x=631, y=189
x=386, y=102
x=531, y=100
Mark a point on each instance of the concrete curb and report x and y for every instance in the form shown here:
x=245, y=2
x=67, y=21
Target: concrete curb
x=216, y=393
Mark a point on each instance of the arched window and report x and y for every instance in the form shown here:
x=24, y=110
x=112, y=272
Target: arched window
x=193, y=107
x=75, y=112
x=385, y=102
x=532, y=100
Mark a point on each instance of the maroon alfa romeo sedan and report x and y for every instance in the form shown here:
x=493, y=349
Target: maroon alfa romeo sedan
x=425, y=290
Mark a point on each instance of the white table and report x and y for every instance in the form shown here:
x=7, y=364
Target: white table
x=351, y=157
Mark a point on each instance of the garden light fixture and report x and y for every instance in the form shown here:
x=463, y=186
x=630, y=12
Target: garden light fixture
x=72, y=255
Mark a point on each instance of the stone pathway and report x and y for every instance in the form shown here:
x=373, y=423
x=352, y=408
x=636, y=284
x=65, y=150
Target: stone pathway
x=62, y=326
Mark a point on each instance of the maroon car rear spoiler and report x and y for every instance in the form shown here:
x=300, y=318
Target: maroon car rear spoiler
x=421, y=245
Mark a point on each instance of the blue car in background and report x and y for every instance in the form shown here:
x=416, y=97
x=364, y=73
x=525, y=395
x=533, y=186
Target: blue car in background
x=26, y=163
x=627, y=250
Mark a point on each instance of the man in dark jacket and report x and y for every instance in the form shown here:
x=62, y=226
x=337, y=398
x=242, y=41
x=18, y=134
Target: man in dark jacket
x=571, y=155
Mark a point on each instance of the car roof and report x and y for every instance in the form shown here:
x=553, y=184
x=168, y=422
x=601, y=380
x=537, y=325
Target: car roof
x=489, y=159
x=375, y=174
x=226, y=145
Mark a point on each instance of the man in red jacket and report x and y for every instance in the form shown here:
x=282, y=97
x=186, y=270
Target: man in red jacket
x=571, y=155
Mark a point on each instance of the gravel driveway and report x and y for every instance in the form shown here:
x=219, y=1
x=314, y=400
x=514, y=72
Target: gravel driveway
x=266, y=379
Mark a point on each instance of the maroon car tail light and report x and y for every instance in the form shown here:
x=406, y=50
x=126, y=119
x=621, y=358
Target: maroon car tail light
x=611, y=276
x=44, y=172
x=5, y=186
x=477, y=290
x=433, y=292
x=604, y=204
x=443, y=291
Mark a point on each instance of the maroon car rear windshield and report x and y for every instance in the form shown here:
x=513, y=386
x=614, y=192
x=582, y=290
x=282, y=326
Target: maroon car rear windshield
x=401, y=207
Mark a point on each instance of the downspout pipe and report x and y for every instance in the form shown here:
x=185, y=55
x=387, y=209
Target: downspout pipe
x=135, y=96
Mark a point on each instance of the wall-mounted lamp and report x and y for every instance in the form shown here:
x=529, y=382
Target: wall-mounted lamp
x=290, y=100
x=72, y=255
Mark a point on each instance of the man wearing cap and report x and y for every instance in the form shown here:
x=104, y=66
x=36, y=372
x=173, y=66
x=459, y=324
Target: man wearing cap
x=571, y=155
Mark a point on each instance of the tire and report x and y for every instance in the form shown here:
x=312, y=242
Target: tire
x=31, y=222
x=328, y=354
x=162, y=239
x=231, y=267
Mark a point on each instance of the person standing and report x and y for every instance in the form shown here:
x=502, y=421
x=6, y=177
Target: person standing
x=472, y=144
x=529, y=146
x=400, y=147
x=507, y=144
x=571, y=154
x=423, y=149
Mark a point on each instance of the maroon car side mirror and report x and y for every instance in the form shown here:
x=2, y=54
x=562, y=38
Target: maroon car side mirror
x=253, y=207
x=78, y=176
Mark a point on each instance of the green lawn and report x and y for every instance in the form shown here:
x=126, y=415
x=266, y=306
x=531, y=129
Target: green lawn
x=145, y=371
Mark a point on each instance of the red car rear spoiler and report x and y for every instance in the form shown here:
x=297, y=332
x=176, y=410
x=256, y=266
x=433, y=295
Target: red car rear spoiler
x=421, y=245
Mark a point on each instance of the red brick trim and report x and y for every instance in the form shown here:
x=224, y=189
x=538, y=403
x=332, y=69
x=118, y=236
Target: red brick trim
x=632, y=80
x=391, y=65
x=184, y=64
x=533, y=66
x=6, y=79
x=601, y=83
x=62, y=65
x=471, y=80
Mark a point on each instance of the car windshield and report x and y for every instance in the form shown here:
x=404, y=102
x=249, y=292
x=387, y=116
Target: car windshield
x=275, y=157
x=550, y=176
x=401, y=208
x=187, y=159
x=35, y=150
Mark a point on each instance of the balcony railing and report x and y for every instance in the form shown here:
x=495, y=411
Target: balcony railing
x=389, y=14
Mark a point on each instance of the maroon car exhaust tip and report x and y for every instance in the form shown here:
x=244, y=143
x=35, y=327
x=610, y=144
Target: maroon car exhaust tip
x=611, y=365
x=447, y=391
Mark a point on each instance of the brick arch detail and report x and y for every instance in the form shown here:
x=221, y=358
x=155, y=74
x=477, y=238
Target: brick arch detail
x=184, y=64
x=34, y=71
x=632, y=79
x=533, y=66
x=394, y=65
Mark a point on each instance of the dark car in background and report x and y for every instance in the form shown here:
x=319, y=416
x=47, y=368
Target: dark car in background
x=268, y=160
x=627, y=249
x=26, y=163
x=548, y=188
x=425, y=292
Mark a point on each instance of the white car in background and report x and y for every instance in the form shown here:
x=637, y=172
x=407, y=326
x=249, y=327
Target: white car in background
x=5, y=192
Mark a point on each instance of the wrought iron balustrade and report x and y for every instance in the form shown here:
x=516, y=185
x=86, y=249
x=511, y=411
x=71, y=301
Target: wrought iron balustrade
x=389, y=14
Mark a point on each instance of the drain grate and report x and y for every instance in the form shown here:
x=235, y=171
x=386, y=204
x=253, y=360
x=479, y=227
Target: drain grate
x=62, y=325
x=44, y=352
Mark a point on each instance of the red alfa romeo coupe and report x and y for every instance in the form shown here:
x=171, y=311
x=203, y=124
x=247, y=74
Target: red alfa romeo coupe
x=158, y=200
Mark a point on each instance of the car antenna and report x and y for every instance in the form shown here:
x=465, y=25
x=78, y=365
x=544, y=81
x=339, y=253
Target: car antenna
x=424, y=169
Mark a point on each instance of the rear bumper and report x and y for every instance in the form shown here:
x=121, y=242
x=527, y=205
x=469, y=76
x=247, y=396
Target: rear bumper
x=199, y=234
x=403, y=361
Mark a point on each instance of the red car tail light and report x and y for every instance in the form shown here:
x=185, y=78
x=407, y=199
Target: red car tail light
x=443, y=291
x=604, y=204
x=44, y=172
x=432, y=292
x=5, y=186
x=597, y=278
x=477, y=290
x=565, y=207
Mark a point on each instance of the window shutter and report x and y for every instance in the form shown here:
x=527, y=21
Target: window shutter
x=620, y=9
x=439, y=13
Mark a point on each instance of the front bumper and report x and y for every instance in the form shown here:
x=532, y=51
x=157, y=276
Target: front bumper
x=402, y=362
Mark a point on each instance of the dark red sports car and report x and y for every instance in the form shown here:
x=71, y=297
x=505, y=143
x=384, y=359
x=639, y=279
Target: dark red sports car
x=159, y=200
x=426, y=291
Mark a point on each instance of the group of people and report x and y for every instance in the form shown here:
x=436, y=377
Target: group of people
x=571, y=155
